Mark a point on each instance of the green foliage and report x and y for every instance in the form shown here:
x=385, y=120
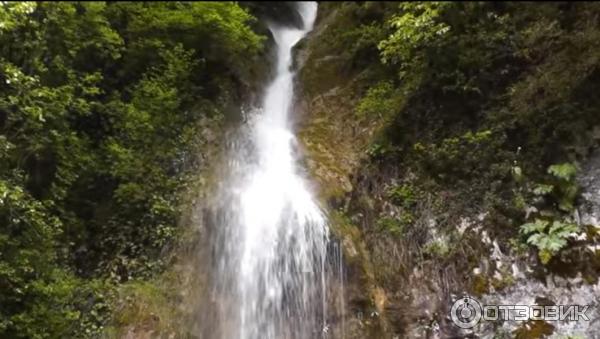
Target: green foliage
x=517, y=174
x=364, y=38
x=404, y=195
x=357, y=31
x=379, y=150
x=560, y=188
x=558, y=194
x=548, y=237
x=474, y=93
x=543, y=189
x=565, y=171
x=395, y=226
x=417, y=26
x=219, y=32
x=380, y=101
x=142, y=302
x=100, y=112
x=565, y=188
x=458, y=156
x=469, y=66
x=41, y=300
x=437, y=248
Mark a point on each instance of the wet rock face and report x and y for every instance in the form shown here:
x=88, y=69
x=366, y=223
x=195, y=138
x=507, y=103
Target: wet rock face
x=589, y=181
x=554, y=291
x=570, y=279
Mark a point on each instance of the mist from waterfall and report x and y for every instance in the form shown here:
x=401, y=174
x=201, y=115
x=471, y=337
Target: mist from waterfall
x=270, y=237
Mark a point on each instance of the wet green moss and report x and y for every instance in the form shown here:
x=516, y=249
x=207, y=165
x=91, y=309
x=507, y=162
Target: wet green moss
x=148, y=308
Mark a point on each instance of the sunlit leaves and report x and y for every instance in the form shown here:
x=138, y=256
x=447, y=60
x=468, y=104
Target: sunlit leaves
x=542, y=189
x=94, y=100
x=216, y=30
x=12, y=13
x=417, y=26
x=564, y=171
x=548, y=237
x=379, y=101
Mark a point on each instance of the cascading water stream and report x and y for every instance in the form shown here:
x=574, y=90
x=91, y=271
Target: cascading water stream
x=270, y=238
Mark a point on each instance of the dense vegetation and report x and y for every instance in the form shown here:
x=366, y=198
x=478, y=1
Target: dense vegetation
x=497, y=93
x=522, y=75
x=455, y=108
x=100, y=110
x=490, y=100
x=460, y=109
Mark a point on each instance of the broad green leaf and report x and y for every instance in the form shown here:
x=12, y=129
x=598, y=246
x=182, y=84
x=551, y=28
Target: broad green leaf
x=564, y=171
x=542, y=189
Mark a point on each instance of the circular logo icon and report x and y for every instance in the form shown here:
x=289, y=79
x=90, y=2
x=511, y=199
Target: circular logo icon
x=466, y=312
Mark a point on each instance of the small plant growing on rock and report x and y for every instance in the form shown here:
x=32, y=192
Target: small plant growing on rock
x=403, y=195
x=560, y=190
x=437, y=248
x=556, y=197
x=564, y=188
x=548, y=237
x=379, y=101
x=394, y=226
x=378, y=150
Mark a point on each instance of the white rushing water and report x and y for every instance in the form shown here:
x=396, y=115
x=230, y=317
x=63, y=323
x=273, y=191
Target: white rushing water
x=270, y=242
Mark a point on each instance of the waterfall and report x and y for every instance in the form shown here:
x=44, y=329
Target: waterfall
x=269, y=238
